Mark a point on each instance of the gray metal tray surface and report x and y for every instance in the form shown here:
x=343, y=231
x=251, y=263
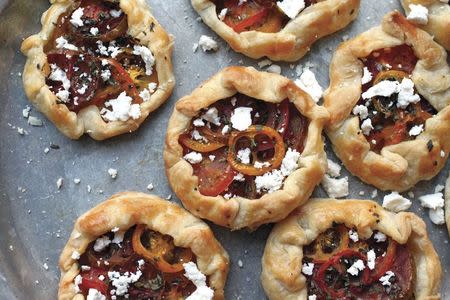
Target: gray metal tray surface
x=36, y=217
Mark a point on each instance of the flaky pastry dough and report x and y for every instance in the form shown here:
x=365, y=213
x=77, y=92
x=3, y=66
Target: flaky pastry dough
x=294, y=40
x=89, y=120
x=447, y=203
x=127, y=209
x=282, y=260
x=239, y=212
x=438, y=19
x=398, y=167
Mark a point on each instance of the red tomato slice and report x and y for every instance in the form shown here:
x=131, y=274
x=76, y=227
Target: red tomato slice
x=214, y=176
x=297, y=130
x=90, y=280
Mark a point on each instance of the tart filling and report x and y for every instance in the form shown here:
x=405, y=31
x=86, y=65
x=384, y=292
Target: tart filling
x=244, y=147
x=139, y=264
x=260, y=15
x=93, y=61
x=341, y=265
x=390, y=109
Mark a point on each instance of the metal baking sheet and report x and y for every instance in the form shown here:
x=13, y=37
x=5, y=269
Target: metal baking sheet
x=36, y=218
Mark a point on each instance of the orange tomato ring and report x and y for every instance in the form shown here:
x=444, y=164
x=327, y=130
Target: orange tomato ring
x=160, y=248
x=390, y=74
x=251, y=133
x=199, y=146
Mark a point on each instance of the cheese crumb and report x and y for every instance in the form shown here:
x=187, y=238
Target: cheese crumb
x=437, y=216
x=334, y=169
x=356, y=267
x=244, y=155
x=385, y=279
x=291, y=8
x=366, y=126
x=203, y=292
x=94, y=294
x=112, y=172
x=146, y=56
x=193, y=157
x=75, y=20
x=61, y=42
x=396, y=202
x=361, y=111
x=207, y=43
x=122, y=109
x=101, y=243
x=75, y=255
x=371, y=257
x=308, y=268
x=59, y=183
x=416, y=130
x=367, y=76
x=418, y=14
x=222, y=14
x=241, y=118
x=335, y=188
x=432, y=201
x=379, y=237
x=308, y=83
x=276, y=69
x=353, y=235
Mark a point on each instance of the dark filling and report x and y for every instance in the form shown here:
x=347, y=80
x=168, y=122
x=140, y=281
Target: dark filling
x=392, y=124
x=156, y=281
x=275, y=128
x=259, y=15
x=333, y=253
x=96, y=73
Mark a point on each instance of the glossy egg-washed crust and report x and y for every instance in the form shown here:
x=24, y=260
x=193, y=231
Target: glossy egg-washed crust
x=438, y=19
x=127, y=209
x=241, y=212
x=282, y=260
x=88, y=120
x=398, y=167
x=294, y=40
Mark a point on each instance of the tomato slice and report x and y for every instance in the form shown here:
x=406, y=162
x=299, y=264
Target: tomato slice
x=90, y=280
x=297, y=130
x=214, y=176
x=278, y=117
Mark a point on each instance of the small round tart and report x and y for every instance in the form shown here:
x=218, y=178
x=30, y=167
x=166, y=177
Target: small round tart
x=438, y=24
x=389, y=102
x=350, y=249
x=98, y=67
x=129, y=247
x=281, y=30
x=245, y=148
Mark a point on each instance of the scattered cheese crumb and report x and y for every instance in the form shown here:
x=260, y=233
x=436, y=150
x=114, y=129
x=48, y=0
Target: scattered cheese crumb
x=202, y=292
x=59, y=183
x=75, y=255
x=241, y=118
x=353, y=235
x=371, y=257
x=122, y=109
x=112, y=172
x=146, y=56
x=291, y=8
x=379, y=237
x=335, y=188
x=418, y=14
x=193, y=157
x=366, y=126
x=308, y=268
x=416, y=130
x=207, y=43
x=75, y=20
x=396, y=202
x=356, y=267
x=276, y=69
x=309, y=84
x=385, y=280
x=150, y=186
x=367, y=76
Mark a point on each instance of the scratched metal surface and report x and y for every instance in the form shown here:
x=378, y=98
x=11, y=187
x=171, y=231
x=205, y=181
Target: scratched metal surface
x=36, y=217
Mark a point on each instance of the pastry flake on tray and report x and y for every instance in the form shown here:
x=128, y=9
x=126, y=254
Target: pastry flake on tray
x=437, y=22
x=389, y=102
x=245, y=148
x=98, y=67
x=350, y=248
x=129, y=246
x=280, y=31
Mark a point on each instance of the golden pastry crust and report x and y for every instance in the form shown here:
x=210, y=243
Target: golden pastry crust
x=294, y=40
x=88, y=120
x=447, y=203
x=239, y=212
x=398, y=167
x=282, y=260
x=438, y=19
x=127, y=209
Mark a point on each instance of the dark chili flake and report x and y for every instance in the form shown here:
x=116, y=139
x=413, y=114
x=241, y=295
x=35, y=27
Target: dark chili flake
x=54, y=146
x=152, y=27
x=430, y=145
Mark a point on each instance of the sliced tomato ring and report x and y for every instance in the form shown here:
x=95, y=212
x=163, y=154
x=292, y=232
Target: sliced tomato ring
x=278, y=117
x=214, y=176
x=320, y=256
x=90, y=280
x=297, y=130
x=97, y=14
x=250, y=134
x=384, y=264
x=160, y=249
x=120, y=82
x=192, y=144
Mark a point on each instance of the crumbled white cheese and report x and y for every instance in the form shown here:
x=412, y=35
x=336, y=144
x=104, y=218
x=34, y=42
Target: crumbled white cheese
x=225, y=129
x=197, y=136
x=406, y=95
x=270, y=181
x=61, y=42
x=57, y=74
x=416, y=130
x=77, y=281
x=63, y=95
x=239, y=177
x=150, y=186
x=115, y=13
x=353, y=235
x=33, y=121
x=379, y=237
x=335, y=188
x=291, y=8
x=243, y=155
x=75, y=20
x=385, y=88
x=356, y=267
x=212, y=116
x=75, y=255
x=437, y=216
x=260, y=165
x=366, y=126
x=101, y=243
x=361, y=111
x=264, y=63
x=309, y=84
x=396, y=202
x=193, y=157
x=439, y=188
x=26, y=112
x=122, y=109
x=112, y=172
x=105, y=74
x=334, y=169
x=385, y=279
x=203, y=292
x=93, y=31
x=122, y=281
x=442, y=153
x=432, y=201
x=118, y=237
x=367, y=76
x=290, y=162
x=146, y=56
x=312, y=297
x=308, y=268
x=198, y=123
x=276, y=69
x=371, y=257
x=418, y=14
x=59, y=183
x=222, y=14
x=241, y=118
x=94, y=294
x=207, y=43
